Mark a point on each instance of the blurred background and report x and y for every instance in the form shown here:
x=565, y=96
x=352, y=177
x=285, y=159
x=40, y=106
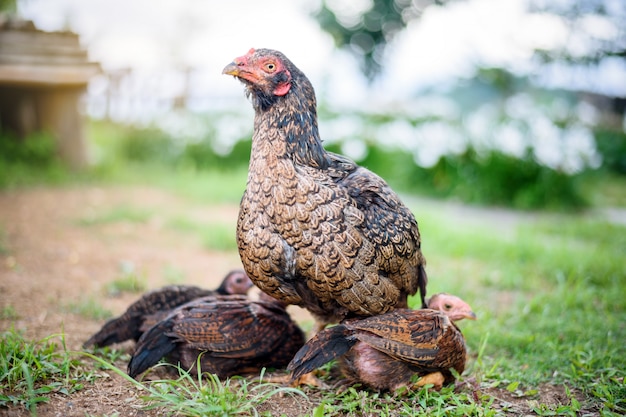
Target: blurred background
x=516, y=103
x=124, y=154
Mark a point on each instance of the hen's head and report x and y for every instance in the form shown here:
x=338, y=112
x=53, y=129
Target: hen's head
x=235, y=282
x=267, y=74
x=455, y=308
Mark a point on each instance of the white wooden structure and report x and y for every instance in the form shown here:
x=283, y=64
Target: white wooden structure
x=43, y=76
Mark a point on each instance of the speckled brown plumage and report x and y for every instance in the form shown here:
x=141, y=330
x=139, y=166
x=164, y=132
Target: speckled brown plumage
x=156, y=304
x=387, y=351
x=314, y=228
x=234, y=334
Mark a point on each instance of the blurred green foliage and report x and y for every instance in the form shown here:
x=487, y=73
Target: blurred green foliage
x=8, y=6
x=120, y=144
x=201, y=155
x=483, y=178
x=38, y=149
x=488, y=177
x=31, y=160
x=146, y=145
x=497, y=178
x=491, y=178
x=611, y=145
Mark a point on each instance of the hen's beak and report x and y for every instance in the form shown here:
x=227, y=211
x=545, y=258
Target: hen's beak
x=241, y=71
x=231, y=69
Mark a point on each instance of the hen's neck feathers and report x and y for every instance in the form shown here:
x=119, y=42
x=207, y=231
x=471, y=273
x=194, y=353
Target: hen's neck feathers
x=293, y=119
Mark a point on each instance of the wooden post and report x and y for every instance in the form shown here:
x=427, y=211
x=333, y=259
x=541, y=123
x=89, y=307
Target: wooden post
x=60, y=115
x=43, y=76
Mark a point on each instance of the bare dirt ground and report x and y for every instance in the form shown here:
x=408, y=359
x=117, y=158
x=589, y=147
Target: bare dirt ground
x=52, y=261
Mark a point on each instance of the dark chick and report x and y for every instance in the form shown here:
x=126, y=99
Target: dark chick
x=234, y=335
x=155, y=305
x=388, y=351
x=314, y=228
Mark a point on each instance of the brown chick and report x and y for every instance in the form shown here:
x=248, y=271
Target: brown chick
x=386, y=352
x=314, y=228
x=156, y=304
x=233, y=334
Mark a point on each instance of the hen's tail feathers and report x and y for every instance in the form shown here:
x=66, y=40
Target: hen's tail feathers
x=152, y=346
x=422, y=281
x=325, y=346
x=115, y=331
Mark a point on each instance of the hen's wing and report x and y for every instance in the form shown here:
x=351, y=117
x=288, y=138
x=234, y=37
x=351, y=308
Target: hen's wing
x=225, y=327
x=151, y=320
x=326, y=345
x=232, y=328
x=388, y=223
x=129, y=325
x=353, y=240
x=411, y=336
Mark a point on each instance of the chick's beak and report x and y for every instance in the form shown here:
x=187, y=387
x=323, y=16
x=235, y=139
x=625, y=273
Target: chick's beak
x=470, y=315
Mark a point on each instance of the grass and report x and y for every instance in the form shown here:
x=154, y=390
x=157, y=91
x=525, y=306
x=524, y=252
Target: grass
x=4, y=245
x=206, y=186
x=357, y=402
x=204, y=395
x=220, y=237
x=606, y=189
x=129, y=281
x=8, y=313
x=31, y=371
x=214, y=236
x=88, y=308
x=548, y=290
x=117, y=214
x=173, y=275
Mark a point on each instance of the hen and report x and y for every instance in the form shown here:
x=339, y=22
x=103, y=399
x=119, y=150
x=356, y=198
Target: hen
x=386, y=352
x=314, y=228
x=233, y=334
x=155, y=305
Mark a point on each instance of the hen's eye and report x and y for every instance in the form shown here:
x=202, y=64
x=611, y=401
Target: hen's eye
x=447, y=306
x=270, y=67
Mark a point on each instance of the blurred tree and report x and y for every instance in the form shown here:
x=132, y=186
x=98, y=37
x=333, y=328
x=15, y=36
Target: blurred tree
x=365, y=27
x=597, y=28
x=595, y=33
